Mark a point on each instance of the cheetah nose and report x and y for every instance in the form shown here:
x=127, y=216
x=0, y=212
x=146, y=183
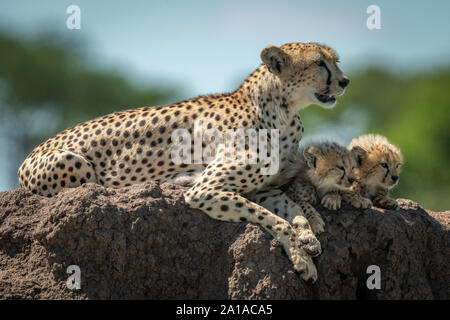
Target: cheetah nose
x=394, y=178
x=344, y=82
x=351, y=180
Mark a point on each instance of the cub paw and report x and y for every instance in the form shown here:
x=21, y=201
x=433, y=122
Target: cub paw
x=317, y=224
x=388, y=203
x=332, y=201
x=361, y=203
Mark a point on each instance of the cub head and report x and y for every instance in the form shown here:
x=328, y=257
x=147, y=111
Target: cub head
x=380, y=162
x=330, y=166
x=308, y=73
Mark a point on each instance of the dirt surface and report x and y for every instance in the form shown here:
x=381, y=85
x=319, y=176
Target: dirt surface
x=143, y=242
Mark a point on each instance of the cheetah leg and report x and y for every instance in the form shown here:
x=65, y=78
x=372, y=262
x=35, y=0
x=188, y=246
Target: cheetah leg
x=48, y=172
x=314, y=217
x=305, y=195
x=230, y=206
x=186, y=179
x=386, y=202
x=275, y=200
x=356, y=200
x=332, y=201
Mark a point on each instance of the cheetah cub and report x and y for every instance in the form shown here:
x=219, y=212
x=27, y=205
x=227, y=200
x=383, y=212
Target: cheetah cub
x=324, y=171
x=378, y=170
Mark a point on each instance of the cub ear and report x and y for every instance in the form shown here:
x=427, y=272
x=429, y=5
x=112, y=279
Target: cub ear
x=359, y=154
x=311, y=153
x=275, y=59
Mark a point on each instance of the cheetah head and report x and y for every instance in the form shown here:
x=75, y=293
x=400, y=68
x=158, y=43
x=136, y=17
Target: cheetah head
x=379, y=161
x=308, y=73
x=330, y=166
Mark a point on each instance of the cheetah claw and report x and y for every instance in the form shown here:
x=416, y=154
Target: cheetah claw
x=362, y=203
x=304, y=265
x=309, y=242
x=331, y=202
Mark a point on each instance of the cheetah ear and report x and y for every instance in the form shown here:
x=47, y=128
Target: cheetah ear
x=359, y=154
x=275, y=59
x=311, y=153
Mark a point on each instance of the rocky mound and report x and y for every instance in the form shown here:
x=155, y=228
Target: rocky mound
x=143, y=242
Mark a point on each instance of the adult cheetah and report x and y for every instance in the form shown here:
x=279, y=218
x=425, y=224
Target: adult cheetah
x=134, y=146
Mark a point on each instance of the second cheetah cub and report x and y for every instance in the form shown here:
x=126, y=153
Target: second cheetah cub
x=378, y=170
x=319, y=172
x=324, y=172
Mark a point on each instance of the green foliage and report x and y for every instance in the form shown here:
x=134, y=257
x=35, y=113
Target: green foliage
x=48, y=77
x=41, y=73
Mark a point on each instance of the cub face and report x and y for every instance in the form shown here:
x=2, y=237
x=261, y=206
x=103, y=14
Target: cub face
x=380, y=162
x=330, y=166
x=308, y=73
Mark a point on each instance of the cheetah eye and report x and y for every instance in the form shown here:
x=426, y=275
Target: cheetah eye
x=341, y=168
x=320, y=63
x=384, y=165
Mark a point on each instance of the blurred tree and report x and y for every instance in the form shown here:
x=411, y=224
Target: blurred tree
x=45, y=86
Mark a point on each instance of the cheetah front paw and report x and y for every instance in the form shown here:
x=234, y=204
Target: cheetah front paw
x=388, y=203
x=317, y=224
x=303, y=264
x=361, y=203
x=300, y=259
x=308, y=240
x=332, y=201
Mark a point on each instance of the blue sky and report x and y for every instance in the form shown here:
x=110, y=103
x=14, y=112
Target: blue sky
x=210, y=46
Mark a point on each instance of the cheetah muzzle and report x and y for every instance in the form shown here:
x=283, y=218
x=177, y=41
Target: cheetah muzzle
x=325, y=98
